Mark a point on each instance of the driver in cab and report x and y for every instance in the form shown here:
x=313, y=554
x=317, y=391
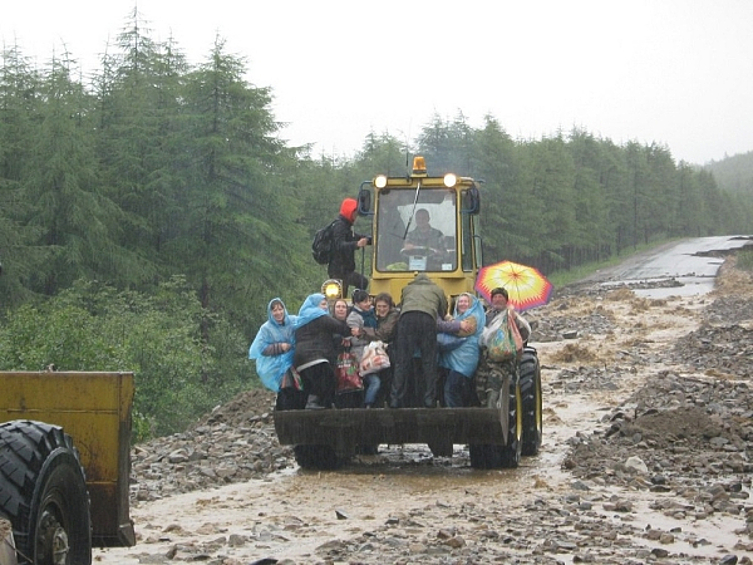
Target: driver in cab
x=424, y=235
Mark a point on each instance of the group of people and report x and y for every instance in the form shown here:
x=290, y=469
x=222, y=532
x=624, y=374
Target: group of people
x=297, y=356
x=423, y=358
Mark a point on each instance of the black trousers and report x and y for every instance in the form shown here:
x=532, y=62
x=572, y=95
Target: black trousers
x=416, y=331
x=319, y=380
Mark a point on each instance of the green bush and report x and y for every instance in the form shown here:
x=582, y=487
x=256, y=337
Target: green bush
x=179, y=376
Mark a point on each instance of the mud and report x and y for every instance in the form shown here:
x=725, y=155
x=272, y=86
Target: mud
x=646, y=459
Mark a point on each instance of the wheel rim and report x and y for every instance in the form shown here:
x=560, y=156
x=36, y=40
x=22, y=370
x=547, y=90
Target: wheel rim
x=52, y=546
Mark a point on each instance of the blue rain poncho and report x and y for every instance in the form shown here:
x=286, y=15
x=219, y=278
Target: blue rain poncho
x=464, y=359
x=311, y=310
x=271, y=368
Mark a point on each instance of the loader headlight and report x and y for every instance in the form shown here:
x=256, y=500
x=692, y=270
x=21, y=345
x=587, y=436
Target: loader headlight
x=380, y=181
x=332, y=289
x=450, y=180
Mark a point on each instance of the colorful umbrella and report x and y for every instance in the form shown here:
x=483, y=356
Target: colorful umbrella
x=527, y=287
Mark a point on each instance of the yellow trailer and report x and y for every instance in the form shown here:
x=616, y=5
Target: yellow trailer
x=65, y=463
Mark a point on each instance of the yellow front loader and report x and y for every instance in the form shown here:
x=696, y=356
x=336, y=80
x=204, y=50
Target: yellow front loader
x=325, y=439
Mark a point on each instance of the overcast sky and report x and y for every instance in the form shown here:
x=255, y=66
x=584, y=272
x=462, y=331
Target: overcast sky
x=675, y=72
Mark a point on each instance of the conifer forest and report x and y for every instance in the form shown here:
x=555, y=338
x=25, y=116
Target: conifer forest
x=149, y=212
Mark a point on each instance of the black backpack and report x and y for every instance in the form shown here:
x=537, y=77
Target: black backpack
x=321, y=247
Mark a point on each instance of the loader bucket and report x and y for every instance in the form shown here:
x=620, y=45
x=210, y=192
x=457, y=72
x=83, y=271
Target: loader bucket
x=345, y=429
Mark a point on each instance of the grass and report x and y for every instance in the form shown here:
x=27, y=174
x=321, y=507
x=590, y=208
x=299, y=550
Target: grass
x=745, y=260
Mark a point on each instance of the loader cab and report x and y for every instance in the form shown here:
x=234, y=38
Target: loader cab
x=423, y=223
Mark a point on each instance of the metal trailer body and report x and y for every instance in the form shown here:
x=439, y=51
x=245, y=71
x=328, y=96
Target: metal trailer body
x=94, y=411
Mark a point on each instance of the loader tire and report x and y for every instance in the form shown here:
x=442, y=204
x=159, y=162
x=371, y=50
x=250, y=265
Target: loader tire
x=509, y=454
x=317, y=457
x=530, y=389
x=490, y=456
x=43, y=494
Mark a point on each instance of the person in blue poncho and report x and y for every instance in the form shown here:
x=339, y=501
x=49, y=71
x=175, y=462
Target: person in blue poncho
x=459, y=389
x=315, y=349
x=273, y=346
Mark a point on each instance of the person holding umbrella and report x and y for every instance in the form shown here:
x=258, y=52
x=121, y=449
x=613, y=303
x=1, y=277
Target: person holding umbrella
x=492, y=372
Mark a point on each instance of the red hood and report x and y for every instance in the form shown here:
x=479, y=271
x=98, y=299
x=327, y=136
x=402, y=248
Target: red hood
x=348, y=209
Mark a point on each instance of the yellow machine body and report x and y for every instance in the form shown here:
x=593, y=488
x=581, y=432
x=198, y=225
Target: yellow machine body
x=94, y=408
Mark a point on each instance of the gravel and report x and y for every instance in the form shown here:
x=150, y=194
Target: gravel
x=673, y=437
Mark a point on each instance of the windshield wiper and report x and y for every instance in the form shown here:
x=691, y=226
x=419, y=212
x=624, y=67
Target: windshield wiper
x=412, y=212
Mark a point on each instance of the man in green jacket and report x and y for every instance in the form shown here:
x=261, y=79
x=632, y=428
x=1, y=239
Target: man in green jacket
x=422, y=302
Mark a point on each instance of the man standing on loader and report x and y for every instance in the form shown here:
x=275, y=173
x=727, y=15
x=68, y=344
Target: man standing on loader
x=422, y=303
x=342, y=263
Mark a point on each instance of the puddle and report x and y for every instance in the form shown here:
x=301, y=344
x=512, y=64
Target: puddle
x=690, y=286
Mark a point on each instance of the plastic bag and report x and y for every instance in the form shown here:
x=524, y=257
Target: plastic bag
x=502, y=338
x=346, y=370
x=501, y=346
x=374, y=358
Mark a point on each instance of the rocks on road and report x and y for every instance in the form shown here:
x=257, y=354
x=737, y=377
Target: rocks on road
x=646, y=459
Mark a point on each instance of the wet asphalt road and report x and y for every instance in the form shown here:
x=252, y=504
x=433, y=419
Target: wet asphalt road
x=693, y=263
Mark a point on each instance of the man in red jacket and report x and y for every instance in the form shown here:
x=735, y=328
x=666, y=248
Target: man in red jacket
x=342, y=264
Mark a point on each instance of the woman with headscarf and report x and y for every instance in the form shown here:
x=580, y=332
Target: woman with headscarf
x=463, y=360
x=348, y=397
x=315, y=349
x=273, y=346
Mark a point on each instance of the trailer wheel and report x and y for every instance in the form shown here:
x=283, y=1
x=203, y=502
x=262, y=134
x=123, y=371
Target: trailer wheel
x=319, y=457
x=43, y=493
x=489, y=456
x=530, y=389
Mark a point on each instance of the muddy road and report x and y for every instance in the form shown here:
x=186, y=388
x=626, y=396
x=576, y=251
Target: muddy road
x=646, y=457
